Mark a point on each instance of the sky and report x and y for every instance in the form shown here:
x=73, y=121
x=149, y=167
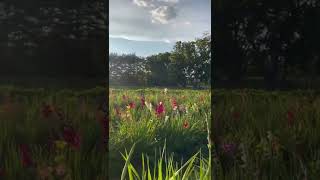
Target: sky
x=147, y=27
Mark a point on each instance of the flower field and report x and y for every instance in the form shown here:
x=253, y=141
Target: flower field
x=171, y=124
x=53, y=135
x=266, y=135
x=68, y=135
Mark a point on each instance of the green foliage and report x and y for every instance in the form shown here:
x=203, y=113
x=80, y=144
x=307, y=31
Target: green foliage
x=188, y=64
x=23, y=121
x=183, y=128
x=275, y=134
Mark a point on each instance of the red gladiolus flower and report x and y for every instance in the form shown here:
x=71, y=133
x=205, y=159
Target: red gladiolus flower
x=71, y=137
x=26, y=159
x=132, y=105
x=174, y=104
x=290, y=118
x=160, y=109
x=186, y=125
x=142, y=101
x=47, y=110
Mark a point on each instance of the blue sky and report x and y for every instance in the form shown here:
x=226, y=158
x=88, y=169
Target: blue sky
x=146, y=27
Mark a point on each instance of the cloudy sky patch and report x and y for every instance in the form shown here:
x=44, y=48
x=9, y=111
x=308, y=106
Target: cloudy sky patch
x=158, y=21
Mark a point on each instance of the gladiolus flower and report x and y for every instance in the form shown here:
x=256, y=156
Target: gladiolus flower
x=165, y=90
x=26, y=159
x=142, y=101
x=174, y=104
x=160, y=109
x=186, y=125
x=132, y=105
x=71, y=137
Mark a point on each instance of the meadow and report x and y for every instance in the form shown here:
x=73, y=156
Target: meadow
x=266, y=135
x=169, y=131
x=68, y=134
x=50, y=134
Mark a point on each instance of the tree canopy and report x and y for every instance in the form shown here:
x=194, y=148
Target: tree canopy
x=189, y=63
x=53, y=38
x=272, y=39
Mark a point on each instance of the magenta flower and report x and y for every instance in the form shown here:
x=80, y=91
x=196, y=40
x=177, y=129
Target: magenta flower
x=142, y=101
x=71, y=137
x=132, y=105
x=160, y=109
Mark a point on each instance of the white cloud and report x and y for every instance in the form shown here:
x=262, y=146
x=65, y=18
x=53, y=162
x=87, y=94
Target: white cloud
x=130, y=21
x=143, y=3
x=163, y=14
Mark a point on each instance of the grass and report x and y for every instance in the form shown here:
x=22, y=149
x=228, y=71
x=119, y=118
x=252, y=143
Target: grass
x=266, y=135
x=180, y=130
x=64, y=134
x=53, y=135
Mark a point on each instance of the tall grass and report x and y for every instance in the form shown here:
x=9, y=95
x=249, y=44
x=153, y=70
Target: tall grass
x=184, y=155
x=22, y=122
x=266, y=135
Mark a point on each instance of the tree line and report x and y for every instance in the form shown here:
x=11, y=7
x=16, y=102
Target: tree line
x=53, y=38
x=276, y=40
x=188, y=64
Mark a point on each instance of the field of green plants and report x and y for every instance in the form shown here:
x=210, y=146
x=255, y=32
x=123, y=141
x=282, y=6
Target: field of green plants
x=266, y=135
x=53, y=135
x=169, y=132
x=68, y=134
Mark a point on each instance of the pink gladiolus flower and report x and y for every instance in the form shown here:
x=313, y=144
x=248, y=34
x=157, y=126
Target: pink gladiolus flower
x=142, y=101
x=71, y=137
x=132, y=105
x=174, y=104
x=160, y=109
